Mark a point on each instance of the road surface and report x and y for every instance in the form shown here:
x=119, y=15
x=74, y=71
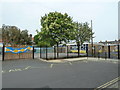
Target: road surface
x=39, y=74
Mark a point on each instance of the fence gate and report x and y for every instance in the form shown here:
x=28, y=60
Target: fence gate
x=17, y=52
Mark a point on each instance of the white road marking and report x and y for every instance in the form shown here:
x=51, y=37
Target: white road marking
x=70, y=63
x=27, y=68
x=51, y=65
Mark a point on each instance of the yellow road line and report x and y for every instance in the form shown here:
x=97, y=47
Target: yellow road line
x=108, y=83
x=116, y=79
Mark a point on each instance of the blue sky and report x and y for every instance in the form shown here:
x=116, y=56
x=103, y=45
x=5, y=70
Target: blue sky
x=26, y=14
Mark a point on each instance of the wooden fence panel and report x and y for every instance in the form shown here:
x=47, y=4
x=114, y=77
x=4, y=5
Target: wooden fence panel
x=24, y=55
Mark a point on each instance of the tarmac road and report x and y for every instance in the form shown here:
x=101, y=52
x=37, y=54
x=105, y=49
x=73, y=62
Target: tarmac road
x=38, y=74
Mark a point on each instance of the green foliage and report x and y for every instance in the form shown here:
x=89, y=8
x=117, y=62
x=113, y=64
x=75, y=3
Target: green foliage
x=36, y=39
x=56, y=27
x=10, y=34
x=13, y=35
x=82, y=32
x=43, y=44
x=41, y=40
x=25, y=38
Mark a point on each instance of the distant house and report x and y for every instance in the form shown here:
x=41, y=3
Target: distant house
x=110, y=42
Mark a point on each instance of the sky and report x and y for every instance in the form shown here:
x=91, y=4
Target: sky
x=26, y=14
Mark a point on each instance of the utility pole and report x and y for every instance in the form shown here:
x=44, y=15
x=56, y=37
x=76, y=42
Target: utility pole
x=92, y=39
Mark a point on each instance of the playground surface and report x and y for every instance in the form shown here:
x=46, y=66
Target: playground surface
x=80, y=73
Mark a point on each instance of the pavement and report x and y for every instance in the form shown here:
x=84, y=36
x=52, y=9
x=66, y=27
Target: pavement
x=79, y=59
x=60, y=73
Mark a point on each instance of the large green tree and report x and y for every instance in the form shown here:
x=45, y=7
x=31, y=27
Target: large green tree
x=10, y=34
x=13, y=35
x=82, y=33
x=56, y=27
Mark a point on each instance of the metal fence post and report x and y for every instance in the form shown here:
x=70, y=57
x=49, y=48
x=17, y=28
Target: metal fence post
x=78, y=50
x=109, y=51
x=98, y=54
x=40, y=52
x=46, y=53
x=57, y=50
x=3, y=50
x=94, y=51
x=67, y=51
x=105, y=55
x=87, y=53
x=118, y=52
x=87, y=50
x=54, y=53
x=33, y=52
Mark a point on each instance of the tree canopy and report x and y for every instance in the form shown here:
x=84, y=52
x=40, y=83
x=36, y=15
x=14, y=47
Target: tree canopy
x=81, y=33
x=13, y=35
x=41, y=40
x=58, y=28
x=55, y=27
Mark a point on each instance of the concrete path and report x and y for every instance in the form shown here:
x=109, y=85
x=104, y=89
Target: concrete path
x=79, y=59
